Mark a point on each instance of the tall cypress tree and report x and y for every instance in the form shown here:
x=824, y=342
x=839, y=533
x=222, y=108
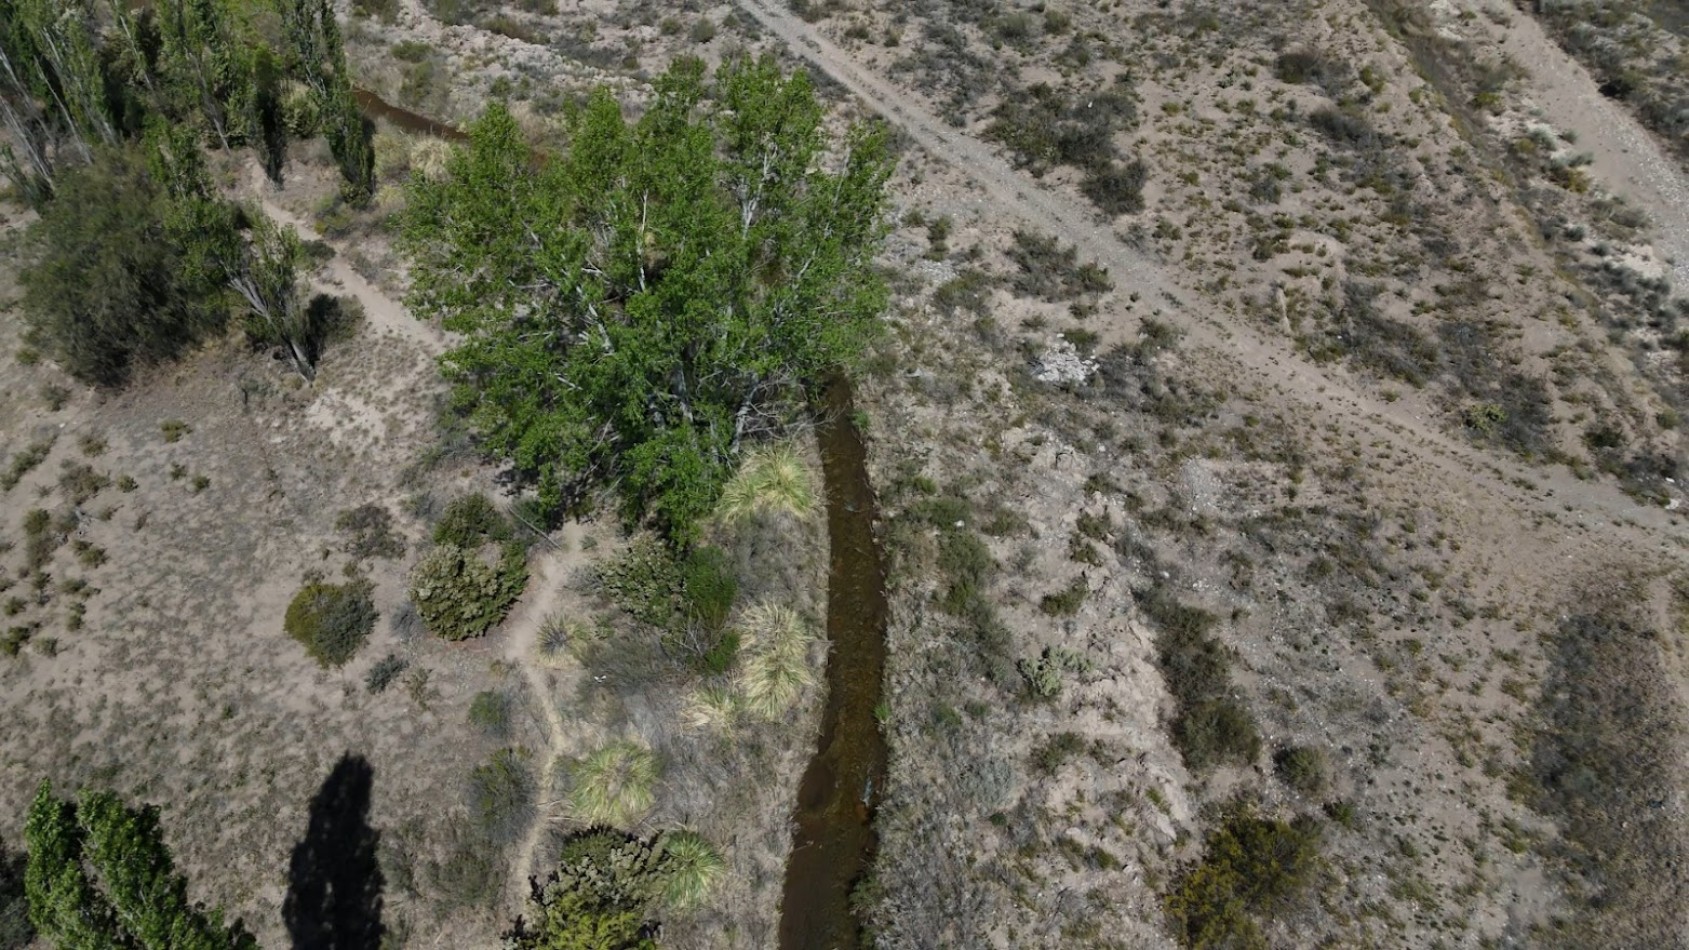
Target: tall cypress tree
x=100, y=876
x=319, y=60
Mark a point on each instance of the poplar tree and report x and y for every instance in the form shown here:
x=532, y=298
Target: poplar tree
x=319, y=60
x=208, y=67
x=99, y=876
x=663, y=291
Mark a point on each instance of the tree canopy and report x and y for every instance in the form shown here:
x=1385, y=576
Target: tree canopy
x=99, y=876
x=638, y=307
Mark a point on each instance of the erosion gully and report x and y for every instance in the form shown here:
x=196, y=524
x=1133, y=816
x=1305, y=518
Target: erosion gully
x=833, y=839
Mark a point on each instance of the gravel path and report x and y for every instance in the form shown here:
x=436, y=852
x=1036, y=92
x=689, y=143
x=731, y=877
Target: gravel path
x=1628, y=159
x=1465, y=475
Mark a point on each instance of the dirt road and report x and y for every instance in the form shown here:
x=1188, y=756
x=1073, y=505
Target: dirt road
x=1466, y=475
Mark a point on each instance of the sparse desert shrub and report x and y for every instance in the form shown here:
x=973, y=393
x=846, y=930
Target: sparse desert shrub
x=1315, y=67
x=369, y=532
x=1046, y=127
x=1067, y=601
x=174, y=429
x=458, y=595
x=471, y=521
x=1043, y=673
x=501, y=796
x=1051, y=272
x=1252, y=868
x=772, y=478
x=489, y=712
x=331, y=620
x=1303, y=768
x=385, y=673
x=80, y=482
x=969, y=290
x=1116, y=188
x=1210, y=725
x=553, y=639
x=31, y=456
x=615, y=784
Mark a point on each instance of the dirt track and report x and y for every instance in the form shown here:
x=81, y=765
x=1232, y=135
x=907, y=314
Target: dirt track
x=1467, y=476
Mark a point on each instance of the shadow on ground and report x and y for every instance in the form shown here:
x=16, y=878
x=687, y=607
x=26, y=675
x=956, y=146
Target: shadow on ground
x=334, y=880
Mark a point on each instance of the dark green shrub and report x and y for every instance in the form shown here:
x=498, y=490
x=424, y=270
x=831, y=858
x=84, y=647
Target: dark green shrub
x=1052, y=272
x=501, y=797
x=1303, y=768
x=1116, y=188
x=1210, y=726
x=645, y=581
x=1252, y=868
x=1067, y=601
x=331, y=620
x=15, y=930
x=471, y=521
x=489, y=711
x=708, y=587
x=385, y=673
x=458, y=595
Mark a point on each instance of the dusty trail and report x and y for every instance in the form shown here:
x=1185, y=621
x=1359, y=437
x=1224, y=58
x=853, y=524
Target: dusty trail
x=543, y=595
x=1628, y=159
x=1468, y=476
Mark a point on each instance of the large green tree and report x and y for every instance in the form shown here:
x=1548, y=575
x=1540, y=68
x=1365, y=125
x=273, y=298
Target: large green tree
x=639, y=306
x=100, y=876
x=319, y=61
x=105, y=286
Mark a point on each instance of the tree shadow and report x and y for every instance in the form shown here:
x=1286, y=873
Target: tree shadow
x=334, y=880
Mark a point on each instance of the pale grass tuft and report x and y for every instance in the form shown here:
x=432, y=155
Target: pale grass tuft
x=694, y=866
x=712, y=709
x=774, y=659
x=772, y=478
x=429, y=156
x=614, y=785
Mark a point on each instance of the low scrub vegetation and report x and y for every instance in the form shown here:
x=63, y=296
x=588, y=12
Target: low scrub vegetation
x=331, y=621
x=459, y=595
x=614, y=785
x=1253, y=870
x=1211, y=726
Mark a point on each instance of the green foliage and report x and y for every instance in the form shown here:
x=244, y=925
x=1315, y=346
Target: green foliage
x=489, y=712
x=597, y=899
x=1051, y=272
x=708, y=588
x=1210, y=725
x=331, y=620
x=645, y=581
x=470, y=522
x=458, y=595
x=693, y=865
x=1067, y=601
x=105, y=288
x=1048, y=127
x=1043, y=672
x=99, y=876
x=501, y=797
x=319, y=61
x=614, y=785
x=385, y=673
x=694, y=273
x=1252, y=868
x=1303, y=768
x=25, y=460
x=16, y=932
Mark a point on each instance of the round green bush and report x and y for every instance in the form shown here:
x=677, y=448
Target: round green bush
x=458, y=595
x=331, y=620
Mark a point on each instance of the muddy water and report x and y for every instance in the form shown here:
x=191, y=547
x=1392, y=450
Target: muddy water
x=834, y=840
x=378, y=108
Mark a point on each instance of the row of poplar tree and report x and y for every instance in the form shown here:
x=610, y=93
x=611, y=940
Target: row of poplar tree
x=108, y=112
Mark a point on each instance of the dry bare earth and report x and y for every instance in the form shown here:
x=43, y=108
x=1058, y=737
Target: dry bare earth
x=1237, y=477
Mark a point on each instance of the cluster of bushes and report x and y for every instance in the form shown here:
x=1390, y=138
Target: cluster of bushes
x=468, y=582
x=1211, y=726
x=1046, y=127
x=331, y=621
x=1043, y=672
x=1630, y=47
x=687, y=596
x=1052, y=272
x=1253, y=869
x=610, y=887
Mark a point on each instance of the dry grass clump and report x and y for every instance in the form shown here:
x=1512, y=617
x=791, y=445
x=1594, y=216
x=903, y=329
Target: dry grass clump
x=774, y=669
x=615, y=785
x=712, y=709
x=771, y=479
x=428, y=158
